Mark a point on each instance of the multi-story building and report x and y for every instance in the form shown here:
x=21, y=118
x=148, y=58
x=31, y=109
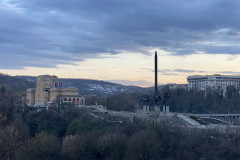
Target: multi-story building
x=49, y=91
x=43, y=86
x=215, y=81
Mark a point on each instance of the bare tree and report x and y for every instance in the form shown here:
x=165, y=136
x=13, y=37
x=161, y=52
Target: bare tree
x=12, y=130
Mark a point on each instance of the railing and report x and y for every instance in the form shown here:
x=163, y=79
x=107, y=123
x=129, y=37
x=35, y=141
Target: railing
x=233, y=119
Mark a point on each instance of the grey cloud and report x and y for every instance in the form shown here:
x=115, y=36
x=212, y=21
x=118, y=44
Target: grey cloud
x=147, y=69
x=164, y=70
x=59, y=31
x=188, y=71
x=174, y=71
x=169, y=74
x=229, y=72
x=21, y=61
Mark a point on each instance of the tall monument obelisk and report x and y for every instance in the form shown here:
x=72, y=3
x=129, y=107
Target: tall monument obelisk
x=156, y=73
x=157, y=97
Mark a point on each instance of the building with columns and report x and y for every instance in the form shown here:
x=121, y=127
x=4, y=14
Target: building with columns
x=216, y=81
x=49, y=91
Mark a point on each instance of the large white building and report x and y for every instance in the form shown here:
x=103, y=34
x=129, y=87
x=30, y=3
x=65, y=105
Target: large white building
x=215, y=81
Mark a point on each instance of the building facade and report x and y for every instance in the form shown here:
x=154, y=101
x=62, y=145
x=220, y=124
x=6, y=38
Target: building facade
x=215, y=81
x=49, y=91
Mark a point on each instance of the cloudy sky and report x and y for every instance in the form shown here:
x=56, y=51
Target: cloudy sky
x=115, y=40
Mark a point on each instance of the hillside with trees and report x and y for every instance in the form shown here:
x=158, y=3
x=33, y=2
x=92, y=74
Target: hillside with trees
x=15, y=83
x=90, y=86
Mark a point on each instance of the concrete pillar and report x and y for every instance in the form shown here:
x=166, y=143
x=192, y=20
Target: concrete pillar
x=83, y=101
x=164, y=109
x=147, y=109
x=157, y=108
x=167, y=110
x=144, y=109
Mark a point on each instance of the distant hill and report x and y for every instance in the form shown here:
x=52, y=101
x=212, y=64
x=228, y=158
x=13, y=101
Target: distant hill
x=15, y=83
x=88, y=86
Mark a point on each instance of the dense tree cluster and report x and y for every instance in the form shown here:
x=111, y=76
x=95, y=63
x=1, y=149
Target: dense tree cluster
x=197, y=101
x=179, y=100
x=74, y=133
x=126, y=101
x=113, y=141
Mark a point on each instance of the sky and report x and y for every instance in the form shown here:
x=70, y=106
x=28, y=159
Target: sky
x=115, y=40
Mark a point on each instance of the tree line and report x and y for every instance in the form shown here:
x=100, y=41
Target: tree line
x=179, y=100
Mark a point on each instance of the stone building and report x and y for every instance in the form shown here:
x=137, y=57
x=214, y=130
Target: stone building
x=49, y=91
x=215, y=81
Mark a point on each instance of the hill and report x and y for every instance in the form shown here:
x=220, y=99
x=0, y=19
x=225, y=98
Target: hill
x=88, y=86
x=15, y=83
